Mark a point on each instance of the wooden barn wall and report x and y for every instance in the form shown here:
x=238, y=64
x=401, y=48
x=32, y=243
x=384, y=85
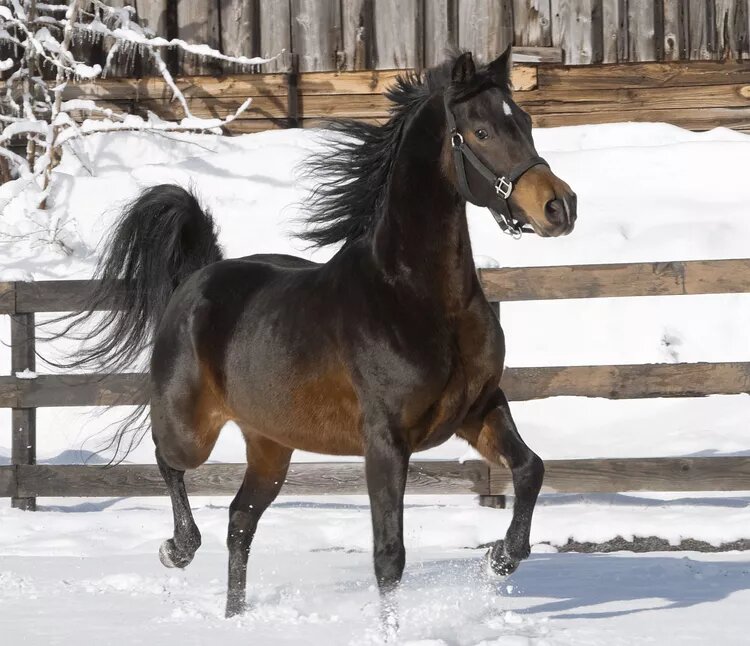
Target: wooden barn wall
x=387, y=34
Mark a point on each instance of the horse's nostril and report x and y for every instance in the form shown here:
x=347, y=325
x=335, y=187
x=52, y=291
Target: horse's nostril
x=554, y=210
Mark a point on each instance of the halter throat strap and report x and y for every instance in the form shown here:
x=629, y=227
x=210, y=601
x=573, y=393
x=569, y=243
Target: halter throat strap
x=503, y=184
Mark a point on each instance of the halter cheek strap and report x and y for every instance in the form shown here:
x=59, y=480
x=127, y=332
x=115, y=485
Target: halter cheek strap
x=503, y=184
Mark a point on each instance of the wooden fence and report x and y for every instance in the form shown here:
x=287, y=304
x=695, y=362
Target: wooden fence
x=24, y=480
x=695, y=95
x=383, y=34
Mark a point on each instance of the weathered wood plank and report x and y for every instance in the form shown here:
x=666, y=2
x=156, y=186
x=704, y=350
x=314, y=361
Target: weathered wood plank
x=7, y=481
x=258, y=85
x=275, y=34
x=643, y=75
x=536, y=102
x=537, y=54
x=23, y=418
x=7, y=298
x=316, y=34
x=357, y=34
x=531, y=23
x=614, y=31
x=701, y=24
x=342, y=478
x=641, y=31
x=74, y=390
x=627, y=279
x=485, y=27
x=627, y=381
x=506, y=284
x=52, y=296
x=520, y=384
x=198, y=23
x=440, y=30
x=395, y=23
x=691, y=119
x=240, y=31
x=573, y=29
x=552, y=100
x=609, y=475
x=636, y=474
x=731, y=25
x=676, y=30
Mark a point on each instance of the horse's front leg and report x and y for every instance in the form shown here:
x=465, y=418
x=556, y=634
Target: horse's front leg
x=498, y=442
x=386, y=465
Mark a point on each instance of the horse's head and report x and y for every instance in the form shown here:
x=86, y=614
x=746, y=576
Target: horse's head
x=493, y=159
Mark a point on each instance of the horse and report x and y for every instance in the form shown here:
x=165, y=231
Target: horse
x=388, y=348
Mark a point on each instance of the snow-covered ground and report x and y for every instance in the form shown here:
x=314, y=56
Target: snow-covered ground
x=89, y=574
x=647, y=192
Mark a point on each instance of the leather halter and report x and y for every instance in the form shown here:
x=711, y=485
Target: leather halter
x=503, y=184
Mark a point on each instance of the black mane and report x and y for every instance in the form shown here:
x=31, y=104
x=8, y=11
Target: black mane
x=353, y=174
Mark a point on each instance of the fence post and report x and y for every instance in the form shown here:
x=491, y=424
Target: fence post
x=492, y=500
x=292, y=88
x=23, y=420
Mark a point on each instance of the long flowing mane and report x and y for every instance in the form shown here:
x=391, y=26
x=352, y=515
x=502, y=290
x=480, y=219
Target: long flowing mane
x=353, y=172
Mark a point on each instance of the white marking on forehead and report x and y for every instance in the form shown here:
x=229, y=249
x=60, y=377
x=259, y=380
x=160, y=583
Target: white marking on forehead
x=506, y=109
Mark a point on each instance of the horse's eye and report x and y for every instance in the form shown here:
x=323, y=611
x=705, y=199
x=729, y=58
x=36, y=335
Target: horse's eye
x=482, y=134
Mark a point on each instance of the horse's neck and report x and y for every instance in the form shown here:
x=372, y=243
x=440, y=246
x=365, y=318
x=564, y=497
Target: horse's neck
x=423, y=235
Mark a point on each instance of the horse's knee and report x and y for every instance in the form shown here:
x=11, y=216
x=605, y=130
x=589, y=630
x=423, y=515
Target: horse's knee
x=528, y=476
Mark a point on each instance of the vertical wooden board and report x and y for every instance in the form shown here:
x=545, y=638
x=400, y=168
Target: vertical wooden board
x=676, y=29
x=357, y=34
x=275, y=33
x=395, y=26
x=316, y=30
x=614, y=31
x=531, y=23
x=440, y=30
x=240, y=31
x=641, y=31
x=702, y=26
x=731, y=18
x=485, y=27
x=153, y=15
x=198, y=23
x=573, y=24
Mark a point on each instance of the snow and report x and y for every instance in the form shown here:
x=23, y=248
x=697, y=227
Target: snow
x=647, y=192
x=87, y=570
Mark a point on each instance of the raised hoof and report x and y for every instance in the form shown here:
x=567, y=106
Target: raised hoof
x=170, y=556
x=499, y=563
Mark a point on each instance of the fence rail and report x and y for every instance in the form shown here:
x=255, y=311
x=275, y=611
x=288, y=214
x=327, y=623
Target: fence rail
x=24, y=480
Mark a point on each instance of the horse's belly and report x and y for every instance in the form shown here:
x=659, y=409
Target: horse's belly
x=320, y=414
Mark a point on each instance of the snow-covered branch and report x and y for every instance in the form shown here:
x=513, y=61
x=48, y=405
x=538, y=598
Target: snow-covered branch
x=36, y=109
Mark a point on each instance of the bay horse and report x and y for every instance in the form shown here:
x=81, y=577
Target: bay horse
x=388, y=348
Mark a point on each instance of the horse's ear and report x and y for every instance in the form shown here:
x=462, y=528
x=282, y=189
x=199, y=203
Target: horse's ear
x=463, y=68
x=500, y=68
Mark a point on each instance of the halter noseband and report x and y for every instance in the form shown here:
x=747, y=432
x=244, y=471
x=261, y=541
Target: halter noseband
x=503, y=184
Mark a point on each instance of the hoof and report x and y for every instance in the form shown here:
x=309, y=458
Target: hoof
x=170, y=556
x=499, y=562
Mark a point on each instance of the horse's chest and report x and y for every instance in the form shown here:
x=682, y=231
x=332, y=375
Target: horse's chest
x=474, y=365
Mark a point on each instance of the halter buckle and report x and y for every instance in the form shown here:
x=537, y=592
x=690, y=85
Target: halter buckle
x=457, y=140
x=503, y=187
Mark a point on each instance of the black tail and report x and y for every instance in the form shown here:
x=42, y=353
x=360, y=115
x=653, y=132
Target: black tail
x=161, y=238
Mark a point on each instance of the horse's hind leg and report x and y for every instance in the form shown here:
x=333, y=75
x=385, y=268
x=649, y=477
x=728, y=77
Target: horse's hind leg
x=498, y=442
x=183, y=441
x=179, y=550
x=267, y=465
